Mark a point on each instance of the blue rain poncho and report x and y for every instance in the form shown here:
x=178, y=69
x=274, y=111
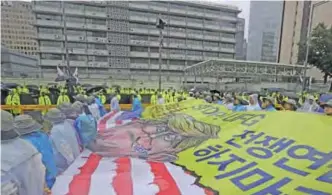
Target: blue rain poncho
x=270, y=108
x=86, y=126
x=239, y=108
x=65, y=145
x=21, y=168
x=101, y=108
x=43, y=144
x=137, y=107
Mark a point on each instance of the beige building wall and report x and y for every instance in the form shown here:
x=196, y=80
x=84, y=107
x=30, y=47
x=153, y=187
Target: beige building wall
x=292, y=26
x=17, y=30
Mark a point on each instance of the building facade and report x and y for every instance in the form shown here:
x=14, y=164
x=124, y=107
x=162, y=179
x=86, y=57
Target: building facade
x=240, y=41
x=17, y=27
x=120, y=38
x=14, y=64
x=295, y=25
x=264, y=30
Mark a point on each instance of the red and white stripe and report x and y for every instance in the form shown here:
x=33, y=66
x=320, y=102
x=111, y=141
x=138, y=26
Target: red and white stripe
x=109, y=121
x=91, y=174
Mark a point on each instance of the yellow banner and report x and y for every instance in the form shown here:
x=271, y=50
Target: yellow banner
x=258, y=153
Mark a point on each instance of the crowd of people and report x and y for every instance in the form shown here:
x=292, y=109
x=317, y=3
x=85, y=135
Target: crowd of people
x=35, y=152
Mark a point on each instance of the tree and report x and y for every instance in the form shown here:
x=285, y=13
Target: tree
x=320, y=50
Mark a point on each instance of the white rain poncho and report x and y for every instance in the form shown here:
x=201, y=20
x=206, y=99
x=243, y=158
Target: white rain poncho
x=66, y=147
x=21, y=165
x=307, y=107
x=255, y=106
x=94, y=109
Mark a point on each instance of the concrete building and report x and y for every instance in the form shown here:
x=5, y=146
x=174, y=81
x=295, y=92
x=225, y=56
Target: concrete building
x=264, y=30
x=240, y=41
x=14, y=64
x=295, y=25
x=17, y=30
x=120, y=38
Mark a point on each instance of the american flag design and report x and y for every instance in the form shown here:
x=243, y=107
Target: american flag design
x=91, y=174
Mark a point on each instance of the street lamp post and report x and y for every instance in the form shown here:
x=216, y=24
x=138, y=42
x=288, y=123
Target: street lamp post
x=160, y=25
x=312, y=6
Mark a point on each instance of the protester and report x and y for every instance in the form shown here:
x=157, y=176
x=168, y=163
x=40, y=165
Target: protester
x=63, y=97
x=208, y=99
x=228, y=101
x=71, y=112
x=153, y=98
x=65, y=145
x=253, y=103
x=238, y=106
x=44, y=100
x=322, y=100
x=328, y=107
x=93, y=107
x=267, y=104
x=217, y=99
x=290, y=105
x=85, y=125
x=309, y=105
x=161, y=100
x=115, y=106
x=137, y=105
x=22, y=171
x=13, y=99
x=30, y=131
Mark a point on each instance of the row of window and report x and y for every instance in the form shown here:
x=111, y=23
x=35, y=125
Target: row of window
x=175, y=51
x=74, y=57
x=57, y=4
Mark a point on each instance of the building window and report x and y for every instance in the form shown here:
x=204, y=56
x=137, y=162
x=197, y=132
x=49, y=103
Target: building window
x=101, y=59
x=51, y=56
x=138, y=49
x=50, y=44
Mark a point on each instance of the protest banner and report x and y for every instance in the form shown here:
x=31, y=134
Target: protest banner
x=197, y=148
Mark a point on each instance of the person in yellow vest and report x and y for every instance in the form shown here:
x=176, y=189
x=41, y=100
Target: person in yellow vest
x=13, y=99
x=153, y=98
x=25, y=89
x=173, y=98
x=102, y=97
x=44, y=100
x=139, y=97
x=118, y=96
x=63, y=97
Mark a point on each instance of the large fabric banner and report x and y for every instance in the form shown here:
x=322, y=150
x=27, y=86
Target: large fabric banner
x=197, y=148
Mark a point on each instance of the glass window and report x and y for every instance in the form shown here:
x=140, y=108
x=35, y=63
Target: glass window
x=50, y=30
x=51, y=56
x=195, y=9
x=96, y=34
x=75, y=32
x=76, y=45
x=212, y=54
x=55, y=4
x=101, y=59
x=211, y=44
x=48, y=17
x=194, y=20
x=177, y=6
x=138, y=49
x=178, y=41
x=50, y=44
x=140, y=60
x=228, y=35
x=96, y=21
x=97, y=46
x=94, y=8
x=139, y=38
x=77, y=57
x=75, y=19
x=211, y=33
x=154, y=49
x=176, y=62
x=74, y=6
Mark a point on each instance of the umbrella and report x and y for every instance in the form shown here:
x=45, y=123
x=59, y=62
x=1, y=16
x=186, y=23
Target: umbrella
x=95, y=89
x=11, y=85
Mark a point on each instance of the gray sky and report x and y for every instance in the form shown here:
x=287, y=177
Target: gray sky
x=244, y=6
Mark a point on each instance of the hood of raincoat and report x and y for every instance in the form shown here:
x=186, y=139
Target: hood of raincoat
x=255, y=105
x=307, y=107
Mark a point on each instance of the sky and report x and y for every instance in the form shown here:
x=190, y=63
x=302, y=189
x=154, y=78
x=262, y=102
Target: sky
x=242, y=5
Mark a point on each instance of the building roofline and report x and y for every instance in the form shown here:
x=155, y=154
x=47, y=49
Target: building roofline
x=212, y=5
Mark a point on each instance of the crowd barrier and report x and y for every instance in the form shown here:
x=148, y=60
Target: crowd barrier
x=23, y=108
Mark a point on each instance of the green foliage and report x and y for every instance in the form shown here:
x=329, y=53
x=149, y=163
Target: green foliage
x=320, y=50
